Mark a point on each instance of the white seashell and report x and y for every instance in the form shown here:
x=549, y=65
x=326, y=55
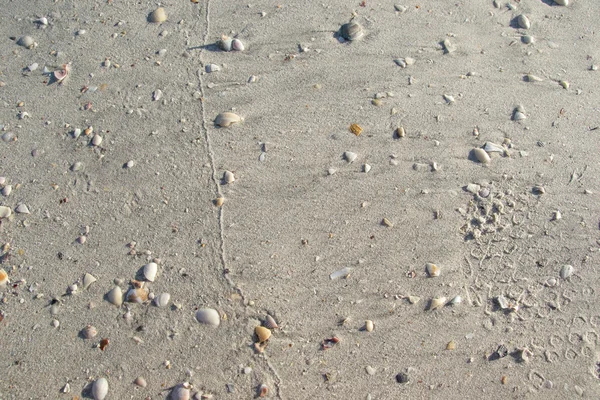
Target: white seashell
x=5, y=212
x=369, y=326
x=22, y=209
x=137, y=295
x=115, y=296
x=149, y=270
x=3, y=278
x=436, y=303
x=6, y=190
x=551, y=282
x=566, y=271
x=455, y=300
x=76, y=133
x=225, y=43
x=96, y=140
x=157, y=95
x=227, y=119
x=88, y=279
x=473, y=188
x=448, y=98
x=532, y=78
x=237, y=45
x=481, y=156
x=100, y=389
x=228, y=177
x=41, y=21
x=271, y=323
x=432, y=270
x=352, y=31
x=502, y=302
x=448, y=46
x=162, y=300
x=32, y=67
x=181, y=392
x=140, y=381
x=77, y=166
x=366, y=168
x=350, y=156
x=340, y=273
x=523, y=21
x=518, y=116
x=212, y=68
x=26, y=41
x=562, y=2
x=2, y=180
x=491, y=147
x=413, y=299
x=400, y=62
x=527, y=39
x=158, y=16
x=564, y=84
x=208, y=316
x=89, y=332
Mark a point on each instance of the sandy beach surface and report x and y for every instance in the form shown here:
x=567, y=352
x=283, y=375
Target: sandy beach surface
x=446, y=246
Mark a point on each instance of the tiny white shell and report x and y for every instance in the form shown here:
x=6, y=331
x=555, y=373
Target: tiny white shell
x=436, y=303
x=162, y=300
x=96, y=140
x=100, y=389
x=502, y=302
x=518, y=116
x=228, y=177
x=140, y=381
x=481, y=156
x=158, y=16
x=7, y=190
x=566, y=271
x=350, y=156
x=22, y=209
x=208, y=316
x=89, y=332
x=212, y=68
x=523, y=21
x=491, y=147
x=149, y=271
x=227, y=119
x=455, y=300
x=366, y=168
x=340, y=273
x=237, y=45
x=432, y=270
x=115, y=296
x=26, y=41
x=88, y=279
x=532, y=78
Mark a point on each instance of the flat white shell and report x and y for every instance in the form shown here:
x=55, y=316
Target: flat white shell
x=162, y=300
x=88, y=279
x=340, y=273
x=149, y=271
x=5, y=212
x=26, y=41
x=208, y=316
x=437, y=302
x=227, y=119
x=481, y=156
x=432, y=270
x=212, y=68
x=350, y=156
x=115, y=296
x=566, y=271
x=228, y=177
x=518, y=116
x=100, y=389
x=237, y=45
x=523, y=21
x=157, y=16
x=491, y=147
x=225, y=44
x=22, y=209
x=181, y=392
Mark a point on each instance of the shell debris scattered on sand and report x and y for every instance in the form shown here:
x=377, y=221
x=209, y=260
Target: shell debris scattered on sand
x=566, y=271
x=270, y=322
x=162, y=300
x=208, y=316
x=226, y=119
x=350, y=156
x=100, y=389
x=26, y=41
x=523, y=22
x=88, y=279
x=137, y=295
x=228, y=44
x=89, y=332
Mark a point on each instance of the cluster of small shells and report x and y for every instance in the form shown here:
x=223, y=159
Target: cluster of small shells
x=228, y=44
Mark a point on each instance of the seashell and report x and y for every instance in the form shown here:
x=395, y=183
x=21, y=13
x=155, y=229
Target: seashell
x=149, y=270
x=566, y=271
x=502, y=302
x=89, y=332
x=527, y=39
x=369, y=326
x=481, y=156
x=226, y=119
x=413, y=299
x=352, y=31
x=228, y=177
x=225, y=44
x=3, y=278
x=400, y=8
x=455, y=300
x=162, y=299
x=366, y=168
x=88, y=279
x=208, y=316
x=532, y=78
x=100, y=389
x=212, y=68
x=491, y=147
x=115, y=296
x=432, y=270
x=356, y=129
x=157, y=95
x=448, y=46
x=137, y=295
x=436, y=303
x=237, y=45
x=26, y=41
x=400, y=62
x=525, y=355
x=523, y=22
x=32, y=67
x=340, y=273
x=22, y=209
x=350, y=156
x=81, y=239
x=263, y=334
x=263, y=390
x=518, y=116
x=181, y=392
x=448, y=98
x=270, y=322
x=60, y=74
x=6, y=190
x=219, y=201
x=140, y=381
x=96, y=140
x=77, y=166
x=400, y=132
x=158, y=16
x=564, y=84
x=451, y=345
x=562, y=2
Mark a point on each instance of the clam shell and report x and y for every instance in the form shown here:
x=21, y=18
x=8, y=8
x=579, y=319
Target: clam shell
x=432, y=270
x=96, y=140
x=149, y=270
x=263, y=334
x=532, y=78
x=436, y=303
x=369, y=326
x=208, y=316
x=88, y=279
x=481, y=156
x=523, y=22
x=5, y=212
x=225, y=43
x=340, y=273
x=350, y=156
x=491, y=147
x=89, y=332
x=527, y=39
x=566, y=271
x=60, y=74
x=212, y=68
x=158, y=16
x=219, y=201
x=137, y=295
x=162, y=300
x=3, y=277
x=237, y=45
x=140, y=381
x=518, y=116
x=271, y=323
x=26, y=41
x=227, y=119
x=502, y=302
x=352, y=31
x=115, y=296
x=181, y=392
x=100, y=389
x=228, y=177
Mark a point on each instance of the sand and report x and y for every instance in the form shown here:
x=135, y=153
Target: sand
x=303, y=212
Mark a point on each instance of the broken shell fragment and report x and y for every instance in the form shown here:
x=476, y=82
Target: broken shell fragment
x=208, y=316
x=5, y=212
x=22, y=209
x=162, y=300
x=455, y=300
x=432, y=270
x=137, y=295
x=100, y=389
x=562, y=2
x=502, y=302
x=352, y=31
x=212, y=68
x=89, y=332
x=271, y=323
x=115, y=296
x=481, y=156
x=350, y=156
x=227, y=119
x=436, y=303
x=263, y=334
x=340, y=273
x=566, y=271
x=150, y=271
x=158, y=16
x=532, y=78
x=26, y=41
x=228, y=177
x=263, y=390
x=3, y=278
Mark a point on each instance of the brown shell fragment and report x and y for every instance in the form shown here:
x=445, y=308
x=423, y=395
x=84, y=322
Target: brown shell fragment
x=356, y=129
